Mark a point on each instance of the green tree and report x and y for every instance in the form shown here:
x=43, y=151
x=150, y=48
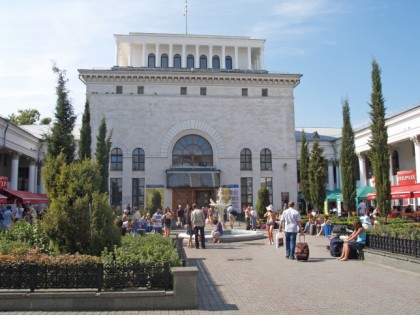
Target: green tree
x=263, y=201
x=45, y=121
x=61, y=138
x=304, y=171
x=317, y=176
x=379, y=153
x=25, y=117
x=103, y=146
x=85, y=135
x=156, y=201
x=348, y=160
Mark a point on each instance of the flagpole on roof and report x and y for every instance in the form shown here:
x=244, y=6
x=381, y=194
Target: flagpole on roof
x=186, y=16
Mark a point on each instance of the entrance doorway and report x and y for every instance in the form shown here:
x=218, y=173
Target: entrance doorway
x=185, y=197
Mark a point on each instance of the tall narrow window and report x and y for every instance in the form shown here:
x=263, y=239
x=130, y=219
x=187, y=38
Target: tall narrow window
x=177, y=61
x=245, y=92
x=151, y=62
x=264, y=92
x=115, y=191
x=138, y=192
x=267, y=182
x=246, y=192
x=203, y=91
x=138, y=159
x=140, y=90
x=228, y=62
x=216, y=62
x=190, y=62
x=203, y=62
x=119, y=89
x=246, y=160
x=164, y=61
x=116, y=159
x=265, y=160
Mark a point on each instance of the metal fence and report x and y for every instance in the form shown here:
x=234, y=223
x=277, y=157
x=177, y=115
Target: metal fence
x=394, y=245
x=96, y=276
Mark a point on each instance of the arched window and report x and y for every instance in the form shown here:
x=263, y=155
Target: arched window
x=190, y=61
x=395, y=163
x=216, y=62
x=203, y=62
x=265, y=160
x=116, y=159
x=177, y=61
x=151, y=61
x=192, y=150
x=138, y=159
x=246, y=160
x=228, y=62
x=164, y=61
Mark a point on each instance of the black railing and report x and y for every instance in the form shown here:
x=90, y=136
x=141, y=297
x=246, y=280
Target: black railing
x=394, y=245
x=95, y=276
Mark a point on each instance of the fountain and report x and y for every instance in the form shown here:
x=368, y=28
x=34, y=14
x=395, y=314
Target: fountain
x=220, y=205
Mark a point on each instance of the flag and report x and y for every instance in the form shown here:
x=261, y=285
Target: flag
x=186, y=8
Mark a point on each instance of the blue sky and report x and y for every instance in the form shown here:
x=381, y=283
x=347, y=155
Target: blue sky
x=330, y=42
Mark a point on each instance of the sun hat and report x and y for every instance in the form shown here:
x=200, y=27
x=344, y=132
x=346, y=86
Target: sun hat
x=269, y=208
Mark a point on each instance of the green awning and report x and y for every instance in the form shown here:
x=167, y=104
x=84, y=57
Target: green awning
x=335, y=195
x=362, y=192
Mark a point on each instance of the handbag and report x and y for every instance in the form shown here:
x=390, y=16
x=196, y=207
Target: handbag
x=279, y=240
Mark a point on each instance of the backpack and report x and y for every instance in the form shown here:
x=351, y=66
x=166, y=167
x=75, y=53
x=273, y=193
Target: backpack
x=336, y=247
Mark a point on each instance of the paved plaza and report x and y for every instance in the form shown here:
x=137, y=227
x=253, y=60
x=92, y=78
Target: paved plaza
x=254, y=278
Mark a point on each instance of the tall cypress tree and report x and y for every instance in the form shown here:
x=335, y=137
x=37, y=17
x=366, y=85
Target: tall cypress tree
x=85, y=135
x=379, y=153
x=348, y=160
x=317, y=176
x=61, y=138
x=103, y=145
x=304, y=170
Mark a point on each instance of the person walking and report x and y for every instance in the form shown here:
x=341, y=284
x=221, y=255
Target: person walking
x=197, y=222
x=271, y=218
x=291, y=222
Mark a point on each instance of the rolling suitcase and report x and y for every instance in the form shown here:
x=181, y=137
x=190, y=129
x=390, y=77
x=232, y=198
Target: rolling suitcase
x=302, y=249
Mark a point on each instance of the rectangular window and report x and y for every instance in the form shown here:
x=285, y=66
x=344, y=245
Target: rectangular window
x=264, y=92
x=183, y=91
x=138, y=192
x=246, y=192
x=244, y=92
x=140, y=90
x=267, y=182
x=119, y=89
x=116, y=191
x=203, y=91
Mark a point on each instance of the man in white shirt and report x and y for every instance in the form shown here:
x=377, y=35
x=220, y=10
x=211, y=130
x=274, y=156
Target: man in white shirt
x=291, y=222
x=197, y=221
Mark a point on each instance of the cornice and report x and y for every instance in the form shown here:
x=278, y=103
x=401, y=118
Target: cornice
x=101, y=76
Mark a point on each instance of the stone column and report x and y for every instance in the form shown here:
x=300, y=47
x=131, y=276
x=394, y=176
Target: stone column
x=197, y=57
x=130, y=55
x=144, y=57
x=184, y=57
x=171, y=57
x=157, y=53
x=330, y=175
x=262, y=66
x=249, y=59
x=236, y=63
x=210, y=61
x=14, y=171
x=223, y=65
x=416, y=141
x=362, y=169
x=117, y=53
x=32, y=176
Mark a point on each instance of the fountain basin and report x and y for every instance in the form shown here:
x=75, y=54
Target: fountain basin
x=231, y=235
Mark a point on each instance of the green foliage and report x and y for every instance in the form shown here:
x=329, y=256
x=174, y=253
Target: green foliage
x=398, y=230
x=152, y=249
x=45, y=121
x=348, y=161
x=263, y=201
x=85, y=135
x=35, y=257
x=25, y=117
x=304, y=171
x=61, y=137
x=317, y=176
x=103, y=146
x=104, y=231
x=156, y=201
x=379, y=153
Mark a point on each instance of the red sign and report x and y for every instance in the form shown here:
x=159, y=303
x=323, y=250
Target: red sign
x=406, y=177
x=3, y=182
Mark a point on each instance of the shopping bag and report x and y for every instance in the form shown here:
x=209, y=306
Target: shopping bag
x=279, y=240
